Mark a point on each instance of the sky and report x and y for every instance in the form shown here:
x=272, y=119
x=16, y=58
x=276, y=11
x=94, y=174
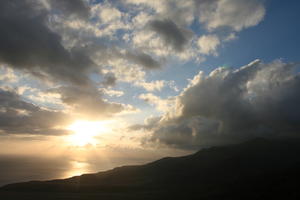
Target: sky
x=88, y=85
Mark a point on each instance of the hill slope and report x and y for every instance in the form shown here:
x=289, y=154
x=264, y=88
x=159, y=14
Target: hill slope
x=257, y=169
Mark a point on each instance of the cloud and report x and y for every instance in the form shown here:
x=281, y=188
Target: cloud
x=256, y=100
x=171, y=24
x=87, y=102
x=112, y=93
x=160, y=104
x=106, y=12
x=171, y=34
x=20, y=117
x=235, y=14
x=149, y=124
x=214, y=14
x=66, y=42
x=30, y=45
x=109, y=80
x=77, y=8
x=154, y=44
x=7, y=75
x=181, y=12
x=151, y=86
x=142, y=59
x=208, y=44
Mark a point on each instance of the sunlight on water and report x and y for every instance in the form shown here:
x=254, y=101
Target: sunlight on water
x=77, y=168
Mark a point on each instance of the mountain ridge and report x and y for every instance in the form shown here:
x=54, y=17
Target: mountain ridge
x=255, y=167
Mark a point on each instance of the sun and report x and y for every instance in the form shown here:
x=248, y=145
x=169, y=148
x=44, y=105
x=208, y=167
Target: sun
x=84, y=132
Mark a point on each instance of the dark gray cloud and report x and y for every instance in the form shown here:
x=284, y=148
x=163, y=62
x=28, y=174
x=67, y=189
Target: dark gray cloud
x=149, y=124
x=189, y=133
x=109, y=80
x=171, y=34
x=257, y=100
x=27, y=43
x=20, y=117
x=77, y=8
x=142, y=59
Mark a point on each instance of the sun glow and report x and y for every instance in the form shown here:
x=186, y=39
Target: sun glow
x=86, y=131
x=77, y=168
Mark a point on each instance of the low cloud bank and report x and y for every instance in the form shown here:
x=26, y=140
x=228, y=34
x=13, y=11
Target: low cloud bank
x=232, y=105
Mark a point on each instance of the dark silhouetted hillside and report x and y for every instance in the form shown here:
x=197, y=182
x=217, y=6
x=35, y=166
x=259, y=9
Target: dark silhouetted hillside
x=257, y=169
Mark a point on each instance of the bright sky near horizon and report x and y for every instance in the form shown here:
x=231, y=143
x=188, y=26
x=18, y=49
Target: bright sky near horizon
x=127, y=81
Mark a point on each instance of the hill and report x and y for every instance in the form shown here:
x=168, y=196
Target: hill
x=257, y=169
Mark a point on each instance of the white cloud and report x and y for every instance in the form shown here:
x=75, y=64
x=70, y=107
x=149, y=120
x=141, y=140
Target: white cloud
x=7, y=75
x=162, y=105
x=106, y=13
x=151, y=86
x=141, y=19
x=233, y=15
x=181, y=12
x=112, y=93
x=122, y=41
x=236, y=14
x=126, y=72
x=208, y=44
x=231, y=36
x=256, y=100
